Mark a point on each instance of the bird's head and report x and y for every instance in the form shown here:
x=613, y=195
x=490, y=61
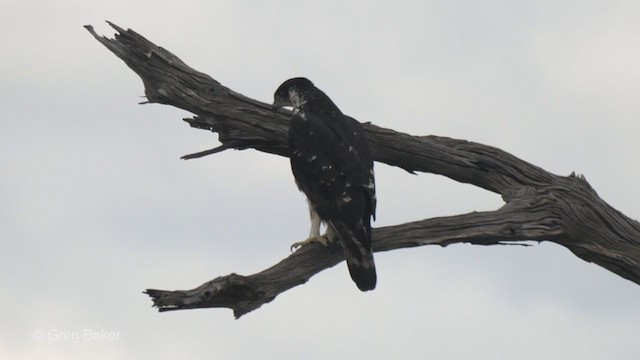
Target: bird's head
x=293, y=92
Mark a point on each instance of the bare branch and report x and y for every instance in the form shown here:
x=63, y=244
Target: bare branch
x=539, y=205
x=223, y=147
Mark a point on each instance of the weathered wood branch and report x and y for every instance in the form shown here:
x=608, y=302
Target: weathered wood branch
x=538, y=206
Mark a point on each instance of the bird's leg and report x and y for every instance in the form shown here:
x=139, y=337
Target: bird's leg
x=314, y=232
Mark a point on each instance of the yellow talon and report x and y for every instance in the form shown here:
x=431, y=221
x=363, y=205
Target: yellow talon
x=324, y=240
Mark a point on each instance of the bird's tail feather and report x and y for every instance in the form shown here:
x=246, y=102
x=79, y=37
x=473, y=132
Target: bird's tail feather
x=356, y=242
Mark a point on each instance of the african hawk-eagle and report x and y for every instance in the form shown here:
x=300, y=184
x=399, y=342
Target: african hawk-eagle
x=332, y=165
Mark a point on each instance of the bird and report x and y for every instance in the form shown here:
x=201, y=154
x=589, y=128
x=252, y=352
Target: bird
x=332, y=165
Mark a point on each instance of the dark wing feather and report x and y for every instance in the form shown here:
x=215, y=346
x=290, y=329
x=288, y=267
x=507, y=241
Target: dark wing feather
x=328, y=155
x=360, y=168
x=332, y=165
x=356, y=239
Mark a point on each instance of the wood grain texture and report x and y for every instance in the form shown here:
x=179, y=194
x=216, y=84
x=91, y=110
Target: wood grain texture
x=538, y=206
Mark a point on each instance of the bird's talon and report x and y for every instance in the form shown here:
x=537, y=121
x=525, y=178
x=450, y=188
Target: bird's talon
x=324, y=240
x=295, y=246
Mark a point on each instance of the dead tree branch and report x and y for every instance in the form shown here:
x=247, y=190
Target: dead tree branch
x=538, y=206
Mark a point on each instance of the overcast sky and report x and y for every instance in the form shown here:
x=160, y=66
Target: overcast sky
x=97, y=205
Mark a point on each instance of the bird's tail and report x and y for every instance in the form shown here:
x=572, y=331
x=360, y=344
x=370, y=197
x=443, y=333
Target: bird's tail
x=356, y=242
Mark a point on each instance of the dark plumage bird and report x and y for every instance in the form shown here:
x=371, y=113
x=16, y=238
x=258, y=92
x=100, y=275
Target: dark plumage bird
x=332, y=165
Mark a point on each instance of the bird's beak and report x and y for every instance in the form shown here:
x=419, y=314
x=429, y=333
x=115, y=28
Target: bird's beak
x=277, y=104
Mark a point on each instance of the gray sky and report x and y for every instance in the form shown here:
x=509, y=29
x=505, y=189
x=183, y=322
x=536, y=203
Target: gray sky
x=97, y=205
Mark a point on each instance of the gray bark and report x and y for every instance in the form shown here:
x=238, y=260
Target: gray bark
x=538, y=206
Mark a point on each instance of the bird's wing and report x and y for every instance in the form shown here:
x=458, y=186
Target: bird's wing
x=332, y=166
x=326, y=158
x=351, y=154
